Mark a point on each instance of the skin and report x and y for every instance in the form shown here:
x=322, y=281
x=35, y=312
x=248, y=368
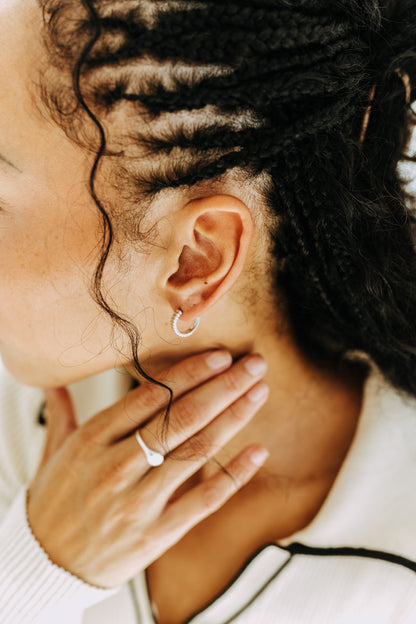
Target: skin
x=52, y=333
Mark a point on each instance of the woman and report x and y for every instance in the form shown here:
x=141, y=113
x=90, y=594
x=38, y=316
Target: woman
x=190, y=190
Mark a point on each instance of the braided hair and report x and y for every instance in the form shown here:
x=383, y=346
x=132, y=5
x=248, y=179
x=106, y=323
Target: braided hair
x=273, y=90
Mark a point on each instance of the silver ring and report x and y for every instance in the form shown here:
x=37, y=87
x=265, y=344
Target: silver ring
x=153, y=458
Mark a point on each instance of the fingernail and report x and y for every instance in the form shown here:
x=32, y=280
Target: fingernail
x=218, y=359
x=255, y=365
x=258, y=457
x=258, y=393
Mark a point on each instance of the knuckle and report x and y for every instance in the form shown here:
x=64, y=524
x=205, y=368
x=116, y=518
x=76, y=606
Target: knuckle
x=238, y=411
x=107, y=486
x=232, y=381
x=201, y=446
x=118, y=472
x=192, y=372
x=147, y=397
x=211, y=496
x=96, y=428
x=239, y=471
x=185, y=415
x=108, y=477
x=197, y=449
x=85, y=439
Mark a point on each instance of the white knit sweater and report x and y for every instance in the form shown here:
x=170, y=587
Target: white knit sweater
x=355, y=563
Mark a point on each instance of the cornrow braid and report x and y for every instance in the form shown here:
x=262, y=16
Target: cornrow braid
x=278, y=88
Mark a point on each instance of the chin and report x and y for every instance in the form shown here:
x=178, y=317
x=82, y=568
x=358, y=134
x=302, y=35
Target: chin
x=38, y=375
x=27, y=376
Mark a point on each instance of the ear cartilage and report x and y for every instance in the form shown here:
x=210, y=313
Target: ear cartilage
x=191, y=330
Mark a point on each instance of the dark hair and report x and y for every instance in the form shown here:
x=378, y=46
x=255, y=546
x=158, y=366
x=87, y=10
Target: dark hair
x=276, y=90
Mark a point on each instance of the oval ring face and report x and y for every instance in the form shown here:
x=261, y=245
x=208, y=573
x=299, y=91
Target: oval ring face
x=153, y=458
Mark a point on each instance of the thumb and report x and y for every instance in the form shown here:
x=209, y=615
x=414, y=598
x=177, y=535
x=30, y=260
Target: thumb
x=60, y=420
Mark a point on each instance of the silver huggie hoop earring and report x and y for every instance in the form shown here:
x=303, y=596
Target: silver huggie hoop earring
x=190, y=331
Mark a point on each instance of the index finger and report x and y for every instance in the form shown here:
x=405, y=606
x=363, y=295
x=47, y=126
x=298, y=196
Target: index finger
x=140, y=404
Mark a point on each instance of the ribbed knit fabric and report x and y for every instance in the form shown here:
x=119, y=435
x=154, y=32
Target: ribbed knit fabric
x=32, y=588
x=26, y=572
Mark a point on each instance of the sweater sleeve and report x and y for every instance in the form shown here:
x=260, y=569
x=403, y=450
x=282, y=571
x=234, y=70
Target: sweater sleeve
x=32, y=588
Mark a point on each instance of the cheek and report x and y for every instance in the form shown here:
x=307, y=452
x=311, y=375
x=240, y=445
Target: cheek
x=51, y=330
x=47, y=264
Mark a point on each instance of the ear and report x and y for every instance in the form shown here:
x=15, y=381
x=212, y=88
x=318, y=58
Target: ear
x=206, y=254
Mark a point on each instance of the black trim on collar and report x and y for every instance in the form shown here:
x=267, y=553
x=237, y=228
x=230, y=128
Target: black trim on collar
x=348, y=551
x=301, y=549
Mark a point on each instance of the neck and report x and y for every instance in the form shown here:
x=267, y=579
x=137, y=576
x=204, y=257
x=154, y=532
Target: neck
x=307, y=424
x=312, y=412
x=310, y=408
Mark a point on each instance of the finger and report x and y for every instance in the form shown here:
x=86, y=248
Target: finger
x=206, y=498
x=193, y=411
x=129, y=462
x=195, y=452
x=60, y=420
x=143, y=402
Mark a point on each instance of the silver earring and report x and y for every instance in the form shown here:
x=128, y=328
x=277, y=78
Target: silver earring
x=191, y=330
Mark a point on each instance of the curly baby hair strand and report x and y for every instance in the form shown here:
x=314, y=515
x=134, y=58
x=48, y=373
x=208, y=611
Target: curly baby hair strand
x=96, y=291
x=276, y=89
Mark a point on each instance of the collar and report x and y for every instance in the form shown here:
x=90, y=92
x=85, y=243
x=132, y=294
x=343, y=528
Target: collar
x=372, y=503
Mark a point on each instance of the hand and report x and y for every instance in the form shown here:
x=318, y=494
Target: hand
x=95, y=505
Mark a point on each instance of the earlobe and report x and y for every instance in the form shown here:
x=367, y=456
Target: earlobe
x=209, y=248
